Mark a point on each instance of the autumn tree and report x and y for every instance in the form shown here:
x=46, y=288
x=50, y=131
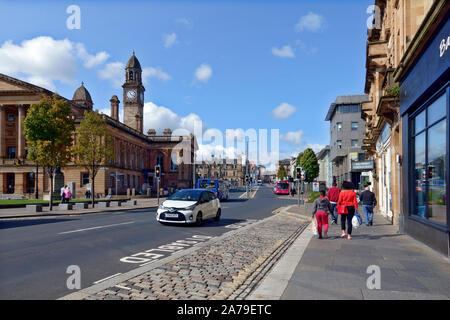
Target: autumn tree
x=48, y=129
x=93, y=148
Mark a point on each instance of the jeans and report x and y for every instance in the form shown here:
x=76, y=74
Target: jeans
x=334, y=214
x=368, y=213
x=348, y=217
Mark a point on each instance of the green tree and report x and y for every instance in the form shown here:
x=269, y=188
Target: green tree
x=48, y=129
x=308, y=161
x=93, y=148
x=282, y=172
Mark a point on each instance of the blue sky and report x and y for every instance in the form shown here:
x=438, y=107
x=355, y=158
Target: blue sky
x=256, y=56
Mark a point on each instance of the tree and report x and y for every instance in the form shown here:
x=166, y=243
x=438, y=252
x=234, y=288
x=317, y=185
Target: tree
x=93, y=148
x=282, y=172
x=309, y=163
x=48, y=130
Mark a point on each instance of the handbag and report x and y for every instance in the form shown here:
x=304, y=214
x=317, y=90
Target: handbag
x=341, y=209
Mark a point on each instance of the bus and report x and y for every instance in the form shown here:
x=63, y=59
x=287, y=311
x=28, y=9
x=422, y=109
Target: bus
x=281, y=187
x=219, y=187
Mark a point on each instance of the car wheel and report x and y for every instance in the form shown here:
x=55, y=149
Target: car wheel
x=199, y=219
x=217, y=218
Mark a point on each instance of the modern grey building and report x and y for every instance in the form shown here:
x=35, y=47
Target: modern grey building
x=325, y=167
x=346, y=139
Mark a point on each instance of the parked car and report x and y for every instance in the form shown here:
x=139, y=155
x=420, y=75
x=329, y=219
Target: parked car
x=191, y=206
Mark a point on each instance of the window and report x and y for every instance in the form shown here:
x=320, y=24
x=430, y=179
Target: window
x=173, y=165
x=131, y=75
x=10, y=117
x=339, y=144
x=11, y=152
x=349, y=108
x=429, y=142
x=339, y=126
x=354, y=143
x=160, y=161
x=84, y=179
x=354, y=126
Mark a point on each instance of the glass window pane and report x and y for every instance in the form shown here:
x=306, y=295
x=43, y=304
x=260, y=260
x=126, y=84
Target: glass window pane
x=419, y=122
x=419, y=175
x=436, y=111
x=437, y=167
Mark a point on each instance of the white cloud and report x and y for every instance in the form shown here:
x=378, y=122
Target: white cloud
x=283, y=111
x=315, y=146
x=114, y=72
x=311, y=22
x=294, y=138
x=90, y=61
x=42, y=60
x=152, y=72
x=284, y=52
x=169, y=40
x=203, y=73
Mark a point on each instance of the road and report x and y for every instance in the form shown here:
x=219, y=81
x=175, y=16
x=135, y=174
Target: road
x=35, y=253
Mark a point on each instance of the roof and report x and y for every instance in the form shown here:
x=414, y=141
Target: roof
x=82, y=94
x=346, y=100
x=133, y=62
x=322, y=152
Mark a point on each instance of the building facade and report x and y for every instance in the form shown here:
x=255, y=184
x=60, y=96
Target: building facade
x=387, y=42
x=346, y=135
x=231, y=170
x=135, y=154
x=325, y=177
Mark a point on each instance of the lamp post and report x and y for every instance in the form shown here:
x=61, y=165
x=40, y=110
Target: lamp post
x=36, y=191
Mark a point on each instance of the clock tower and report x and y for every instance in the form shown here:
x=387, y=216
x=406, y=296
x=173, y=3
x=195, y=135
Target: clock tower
x=133, y=95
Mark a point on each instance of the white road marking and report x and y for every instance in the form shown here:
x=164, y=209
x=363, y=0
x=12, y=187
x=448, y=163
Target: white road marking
x=120, y=287
x=107, y=278
x=111, y=225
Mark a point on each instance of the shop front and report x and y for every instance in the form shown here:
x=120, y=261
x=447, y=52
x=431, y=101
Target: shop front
x=424, y=107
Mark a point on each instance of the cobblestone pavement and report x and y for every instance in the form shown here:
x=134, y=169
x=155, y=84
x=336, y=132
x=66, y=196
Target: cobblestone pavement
x=227, y=269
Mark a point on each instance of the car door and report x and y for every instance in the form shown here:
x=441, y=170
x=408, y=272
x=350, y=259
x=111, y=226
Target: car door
x=214, y=205
x=205, y=205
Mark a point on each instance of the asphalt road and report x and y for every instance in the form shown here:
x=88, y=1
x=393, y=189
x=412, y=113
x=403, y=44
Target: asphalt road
x=35, y=253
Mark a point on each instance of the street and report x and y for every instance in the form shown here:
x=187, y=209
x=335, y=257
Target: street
x=35, y=253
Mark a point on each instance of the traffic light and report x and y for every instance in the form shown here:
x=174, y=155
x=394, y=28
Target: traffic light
x=158, y=171
x=246, y=179
x=298, y=172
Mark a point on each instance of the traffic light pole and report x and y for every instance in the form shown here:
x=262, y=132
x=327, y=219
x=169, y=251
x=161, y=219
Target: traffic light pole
x=157, y=189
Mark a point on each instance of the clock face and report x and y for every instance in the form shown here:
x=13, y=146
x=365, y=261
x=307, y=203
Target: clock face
x=131, y=94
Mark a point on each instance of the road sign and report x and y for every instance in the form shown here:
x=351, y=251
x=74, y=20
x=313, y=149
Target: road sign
x=316, y=186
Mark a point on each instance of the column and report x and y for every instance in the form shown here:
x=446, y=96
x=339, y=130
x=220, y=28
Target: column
x=2, y=131
x=20, y=136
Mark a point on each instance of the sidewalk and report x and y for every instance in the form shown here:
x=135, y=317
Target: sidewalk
x=336, y=268
x=23, y=213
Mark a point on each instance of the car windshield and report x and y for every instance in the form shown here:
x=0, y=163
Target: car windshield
x=208, y=185
x=186, y=195
x=283, y=186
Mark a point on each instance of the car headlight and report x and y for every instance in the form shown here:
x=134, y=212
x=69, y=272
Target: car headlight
x=190, y=207
x=161, y=206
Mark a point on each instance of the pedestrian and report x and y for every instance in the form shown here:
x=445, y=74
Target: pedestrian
x=321, y=208
x=368, y=201
x=333, y=197
x=67, y=194
x=61, y=193
x=347, y=206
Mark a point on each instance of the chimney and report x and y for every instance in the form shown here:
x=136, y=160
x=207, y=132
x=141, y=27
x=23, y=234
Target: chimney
x=167, y=132
x=115, y=107
x=151, y=132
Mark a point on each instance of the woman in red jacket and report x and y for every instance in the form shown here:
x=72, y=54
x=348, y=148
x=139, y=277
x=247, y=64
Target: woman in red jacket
x=347, y=206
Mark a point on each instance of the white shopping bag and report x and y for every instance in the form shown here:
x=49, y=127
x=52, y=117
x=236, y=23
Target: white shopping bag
x=314, y=226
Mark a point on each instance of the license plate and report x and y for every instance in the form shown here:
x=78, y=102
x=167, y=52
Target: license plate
x=171, y=215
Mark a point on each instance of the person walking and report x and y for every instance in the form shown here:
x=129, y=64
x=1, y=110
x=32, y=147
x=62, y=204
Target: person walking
x=321, y=208
x=333, y=197
x=61, y=193
x=347, y=206
x=67, y=194
x=368, y=201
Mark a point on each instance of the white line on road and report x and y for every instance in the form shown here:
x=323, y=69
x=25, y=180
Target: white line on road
x=111, y=225
x=107, y=278
x=122, y=287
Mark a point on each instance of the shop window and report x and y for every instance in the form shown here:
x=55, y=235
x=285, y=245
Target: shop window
x=429, y=163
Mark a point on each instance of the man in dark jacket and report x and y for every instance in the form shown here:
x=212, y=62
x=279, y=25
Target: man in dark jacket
x=368, y=201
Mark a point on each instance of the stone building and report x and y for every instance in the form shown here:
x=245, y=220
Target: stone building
x=135, y=153
x=231, y=170
x=346, y=138
x=386, y=45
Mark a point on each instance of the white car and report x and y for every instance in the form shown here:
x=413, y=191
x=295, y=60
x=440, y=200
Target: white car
x=189, y=206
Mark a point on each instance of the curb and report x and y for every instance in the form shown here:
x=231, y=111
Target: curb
x=86, y=292
x=74, y=213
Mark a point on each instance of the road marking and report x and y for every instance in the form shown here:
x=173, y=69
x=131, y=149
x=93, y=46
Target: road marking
x=107, y=278
x=111, y=225
x=121, y=287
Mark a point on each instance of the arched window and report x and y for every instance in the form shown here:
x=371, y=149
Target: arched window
x=131, y=75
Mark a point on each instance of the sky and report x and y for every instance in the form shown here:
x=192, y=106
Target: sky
x=229, y=64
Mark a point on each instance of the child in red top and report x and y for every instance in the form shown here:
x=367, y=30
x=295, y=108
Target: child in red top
x=347, y=199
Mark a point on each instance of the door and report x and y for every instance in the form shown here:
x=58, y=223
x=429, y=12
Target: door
x=205, y=205
x=10, y=183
